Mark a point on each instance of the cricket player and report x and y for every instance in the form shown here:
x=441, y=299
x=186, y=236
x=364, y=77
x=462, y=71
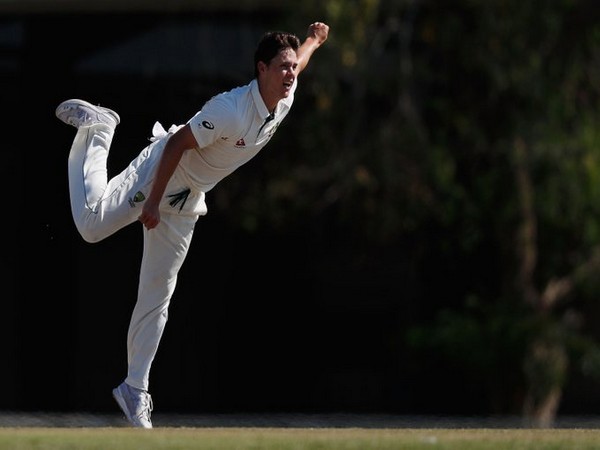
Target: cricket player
x=164, y=187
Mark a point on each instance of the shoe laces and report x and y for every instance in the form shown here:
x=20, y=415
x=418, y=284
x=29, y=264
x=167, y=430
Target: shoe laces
x=146, y=406
x=82, y=116
x=77, y=116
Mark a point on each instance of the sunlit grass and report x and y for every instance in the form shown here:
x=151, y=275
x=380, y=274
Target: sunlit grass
x=296, y=439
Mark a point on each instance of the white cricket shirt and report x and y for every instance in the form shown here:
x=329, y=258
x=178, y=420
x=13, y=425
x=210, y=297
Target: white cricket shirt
x=230, y=129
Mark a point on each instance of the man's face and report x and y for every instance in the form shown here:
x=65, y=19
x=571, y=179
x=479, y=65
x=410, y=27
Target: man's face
x=278, y=76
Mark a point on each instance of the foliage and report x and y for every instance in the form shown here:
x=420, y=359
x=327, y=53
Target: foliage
x=490, y=344
x=462, y=138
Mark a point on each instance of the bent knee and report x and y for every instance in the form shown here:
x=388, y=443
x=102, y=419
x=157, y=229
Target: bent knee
x=89, y=236
x=90, y=239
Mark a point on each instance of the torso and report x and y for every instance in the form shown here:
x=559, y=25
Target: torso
x=230, y=129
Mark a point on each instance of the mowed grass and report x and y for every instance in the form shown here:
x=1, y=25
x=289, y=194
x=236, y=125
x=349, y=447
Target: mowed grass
x=296, y=439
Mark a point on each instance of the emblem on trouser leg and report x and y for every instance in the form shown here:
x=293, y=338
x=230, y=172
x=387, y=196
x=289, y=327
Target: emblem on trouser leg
x=137, y=198
x=179, y=197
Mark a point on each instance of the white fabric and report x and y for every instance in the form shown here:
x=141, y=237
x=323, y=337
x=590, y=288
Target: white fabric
x=159, y=132
x=227, y=132
x=100, y=207
x=230, y=129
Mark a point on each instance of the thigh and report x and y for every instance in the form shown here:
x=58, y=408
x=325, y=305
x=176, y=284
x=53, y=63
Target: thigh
x=166, y=247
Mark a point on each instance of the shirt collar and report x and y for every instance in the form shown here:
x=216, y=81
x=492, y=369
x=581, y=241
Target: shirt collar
x=258, y=100
x=260, y=104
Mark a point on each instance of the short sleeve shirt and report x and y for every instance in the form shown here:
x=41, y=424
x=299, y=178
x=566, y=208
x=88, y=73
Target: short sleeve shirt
x=230, y=129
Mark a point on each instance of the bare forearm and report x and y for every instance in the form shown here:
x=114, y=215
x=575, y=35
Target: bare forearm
x=177, y=144
x=317, y=34
x=168, y=163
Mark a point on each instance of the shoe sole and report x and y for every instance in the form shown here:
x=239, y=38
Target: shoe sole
x=107, y=111
x=121, y=402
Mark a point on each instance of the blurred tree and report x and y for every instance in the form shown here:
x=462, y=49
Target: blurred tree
x=458, y=141
x=528, y=69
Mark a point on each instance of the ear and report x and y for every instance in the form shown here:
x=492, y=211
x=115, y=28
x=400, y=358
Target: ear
x=262, y=67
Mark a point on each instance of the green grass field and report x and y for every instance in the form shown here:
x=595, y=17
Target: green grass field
x=296, y=439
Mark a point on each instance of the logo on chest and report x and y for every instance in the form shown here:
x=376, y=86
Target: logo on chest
x=263, y=136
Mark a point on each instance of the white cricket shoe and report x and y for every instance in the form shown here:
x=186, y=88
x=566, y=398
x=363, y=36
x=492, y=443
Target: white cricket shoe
x=135, y=403
x=80, y=113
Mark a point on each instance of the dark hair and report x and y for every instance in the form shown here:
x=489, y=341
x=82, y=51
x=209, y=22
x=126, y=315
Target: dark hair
x=271, y=44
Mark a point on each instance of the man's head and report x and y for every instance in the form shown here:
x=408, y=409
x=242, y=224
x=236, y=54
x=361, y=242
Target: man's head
x=271, y=44
x=275, y=65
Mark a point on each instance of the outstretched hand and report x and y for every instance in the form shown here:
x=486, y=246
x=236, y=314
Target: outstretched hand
x=318, y=31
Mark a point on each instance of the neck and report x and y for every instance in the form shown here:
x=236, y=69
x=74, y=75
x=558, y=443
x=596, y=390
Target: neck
x=270, y=103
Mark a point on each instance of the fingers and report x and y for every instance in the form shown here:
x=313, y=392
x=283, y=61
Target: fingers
x=319, y=30
x=148, y=221
x=149, y=226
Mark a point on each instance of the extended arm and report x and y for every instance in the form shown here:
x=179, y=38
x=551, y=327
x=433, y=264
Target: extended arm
x=177, y=144
x=316, y=35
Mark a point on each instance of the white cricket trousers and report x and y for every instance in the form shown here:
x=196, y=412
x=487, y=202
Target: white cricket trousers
x=100, y=207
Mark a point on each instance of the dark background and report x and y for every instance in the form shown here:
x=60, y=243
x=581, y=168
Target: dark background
x=302, y=312
x=254, y=324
